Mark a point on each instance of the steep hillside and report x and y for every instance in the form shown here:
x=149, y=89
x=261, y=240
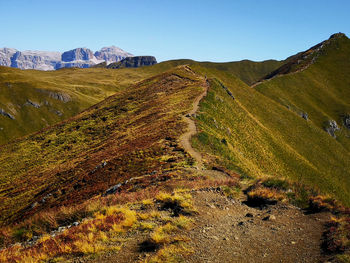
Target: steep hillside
x=125, y=136
x=280, y=127
x=320, y=93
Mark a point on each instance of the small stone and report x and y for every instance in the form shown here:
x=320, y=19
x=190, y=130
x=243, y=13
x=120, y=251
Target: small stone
x=211, y=206
x=215, y=237
x=293, y=242
x=34, y=205
x=61, y=228
x=241, y=223
x=269, y=217
x=226, y=238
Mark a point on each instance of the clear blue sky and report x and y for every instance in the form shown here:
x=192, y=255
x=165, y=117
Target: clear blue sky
x=201, y=30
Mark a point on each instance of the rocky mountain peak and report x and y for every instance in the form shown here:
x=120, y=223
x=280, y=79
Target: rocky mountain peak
x=111, y=54
x=77, y=54
x=338, y=35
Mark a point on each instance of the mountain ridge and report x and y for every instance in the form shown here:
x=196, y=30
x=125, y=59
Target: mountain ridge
x=51, y=60
x=302, y=60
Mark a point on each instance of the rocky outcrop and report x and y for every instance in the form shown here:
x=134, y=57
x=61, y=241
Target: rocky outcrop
x=331, y=127
x=60, y=96
x=33, y=104
x=134, y=62
x=6, y=114
x=304, y=115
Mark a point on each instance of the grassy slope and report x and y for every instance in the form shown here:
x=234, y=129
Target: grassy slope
x=248, y=71
x=130, y=131
x=322, y=90
x=84, y=87
x=258, y=136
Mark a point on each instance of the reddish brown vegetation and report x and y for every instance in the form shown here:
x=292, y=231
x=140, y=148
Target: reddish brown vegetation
x=337, y=235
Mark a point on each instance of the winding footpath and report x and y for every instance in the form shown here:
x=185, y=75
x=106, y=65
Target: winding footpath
x=185, y=139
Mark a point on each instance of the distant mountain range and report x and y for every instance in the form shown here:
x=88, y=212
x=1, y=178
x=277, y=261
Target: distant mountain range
x=44, y=60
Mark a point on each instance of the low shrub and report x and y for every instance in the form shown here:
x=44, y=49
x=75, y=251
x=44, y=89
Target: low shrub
x=260, y=197
x=325, y=203
x=336, y=238
x=179, y=204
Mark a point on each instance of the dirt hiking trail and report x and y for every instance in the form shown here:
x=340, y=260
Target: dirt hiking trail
x=185, y=139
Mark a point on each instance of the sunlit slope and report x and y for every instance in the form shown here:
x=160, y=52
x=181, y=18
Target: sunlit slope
x=129, y=134
x=246, y=70
x=257, y=136
x=322, y=90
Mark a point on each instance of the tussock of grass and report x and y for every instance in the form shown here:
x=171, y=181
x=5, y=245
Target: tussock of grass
x=325, y=203
x=170, y=253
x=266, y=194
x=178, y=203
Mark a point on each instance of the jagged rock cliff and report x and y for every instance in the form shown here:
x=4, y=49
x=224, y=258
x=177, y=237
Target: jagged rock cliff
x=134, y=62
